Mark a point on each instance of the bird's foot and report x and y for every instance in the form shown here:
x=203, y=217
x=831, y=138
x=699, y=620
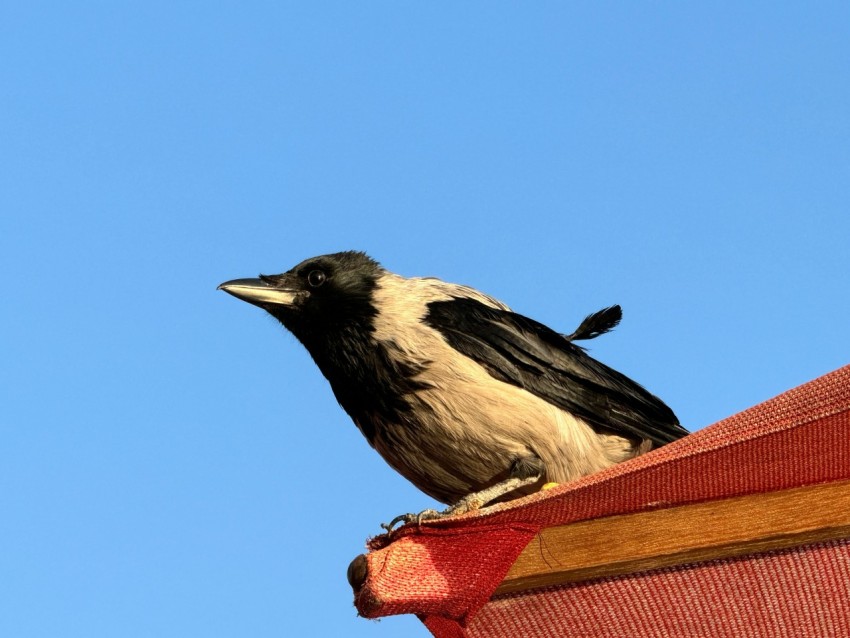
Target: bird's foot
x=468, y=503
x=404, y=519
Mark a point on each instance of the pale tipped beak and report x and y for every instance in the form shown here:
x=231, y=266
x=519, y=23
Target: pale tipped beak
x=259, y=292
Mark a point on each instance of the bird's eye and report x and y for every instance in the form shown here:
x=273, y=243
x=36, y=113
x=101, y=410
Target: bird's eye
x=316, y=278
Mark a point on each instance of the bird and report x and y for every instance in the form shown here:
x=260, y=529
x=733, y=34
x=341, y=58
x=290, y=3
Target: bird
x=470, y=401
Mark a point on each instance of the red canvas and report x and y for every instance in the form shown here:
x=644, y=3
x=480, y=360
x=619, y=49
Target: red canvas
x=446, y=572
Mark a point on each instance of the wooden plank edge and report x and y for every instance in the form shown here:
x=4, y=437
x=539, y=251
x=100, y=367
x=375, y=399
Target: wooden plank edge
x=726, y=528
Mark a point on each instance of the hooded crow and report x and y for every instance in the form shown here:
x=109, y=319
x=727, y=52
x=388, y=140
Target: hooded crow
x=470, y=401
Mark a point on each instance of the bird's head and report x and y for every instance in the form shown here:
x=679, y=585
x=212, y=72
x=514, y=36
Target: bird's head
x=316, y=296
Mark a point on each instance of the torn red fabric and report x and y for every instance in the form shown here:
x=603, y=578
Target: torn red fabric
x=441, y=572
x=447, y=571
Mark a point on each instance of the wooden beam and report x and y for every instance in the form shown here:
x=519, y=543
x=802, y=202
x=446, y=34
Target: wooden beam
x=619, y=545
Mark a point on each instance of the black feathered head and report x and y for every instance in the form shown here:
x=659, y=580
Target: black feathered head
x=318, y=296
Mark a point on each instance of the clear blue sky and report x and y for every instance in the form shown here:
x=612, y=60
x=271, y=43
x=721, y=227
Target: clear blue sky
x=171, y=462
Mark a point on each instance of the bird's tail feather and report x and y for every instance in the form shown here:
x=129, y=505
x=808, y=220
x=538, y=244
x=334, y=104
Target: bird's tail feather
x=597, y=323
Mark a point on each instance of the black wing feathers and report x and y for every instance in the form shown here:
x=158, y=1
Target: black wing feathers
x=525, y=353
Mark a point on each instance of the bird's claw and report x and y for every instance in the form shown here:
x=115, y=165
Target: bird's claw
x=469, y=503
x=463, y=506
x=404, y=519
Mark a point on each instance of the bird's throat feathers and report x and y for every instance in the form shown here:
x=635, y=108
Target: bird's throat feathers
x=368, y=381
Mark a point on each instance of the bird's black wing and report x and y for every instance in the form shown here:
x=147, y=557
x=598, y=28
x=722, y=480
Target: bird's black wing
x=525, y=353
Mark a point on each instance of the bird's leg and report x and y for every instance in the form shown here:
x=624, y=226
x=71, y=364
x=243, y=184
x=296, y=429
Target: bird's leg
x=524, y=471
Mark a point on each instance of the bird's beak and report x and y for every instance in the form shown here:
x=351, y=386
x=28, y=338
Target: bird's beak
x=259, y=292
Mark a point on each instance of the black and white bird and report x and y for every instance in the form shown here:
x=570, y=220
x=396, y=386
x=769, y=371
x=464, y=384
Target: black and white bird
x=470, y=401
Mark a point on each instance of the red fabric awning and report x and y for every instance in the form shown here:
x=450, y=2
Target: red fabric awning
x=447, y=571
